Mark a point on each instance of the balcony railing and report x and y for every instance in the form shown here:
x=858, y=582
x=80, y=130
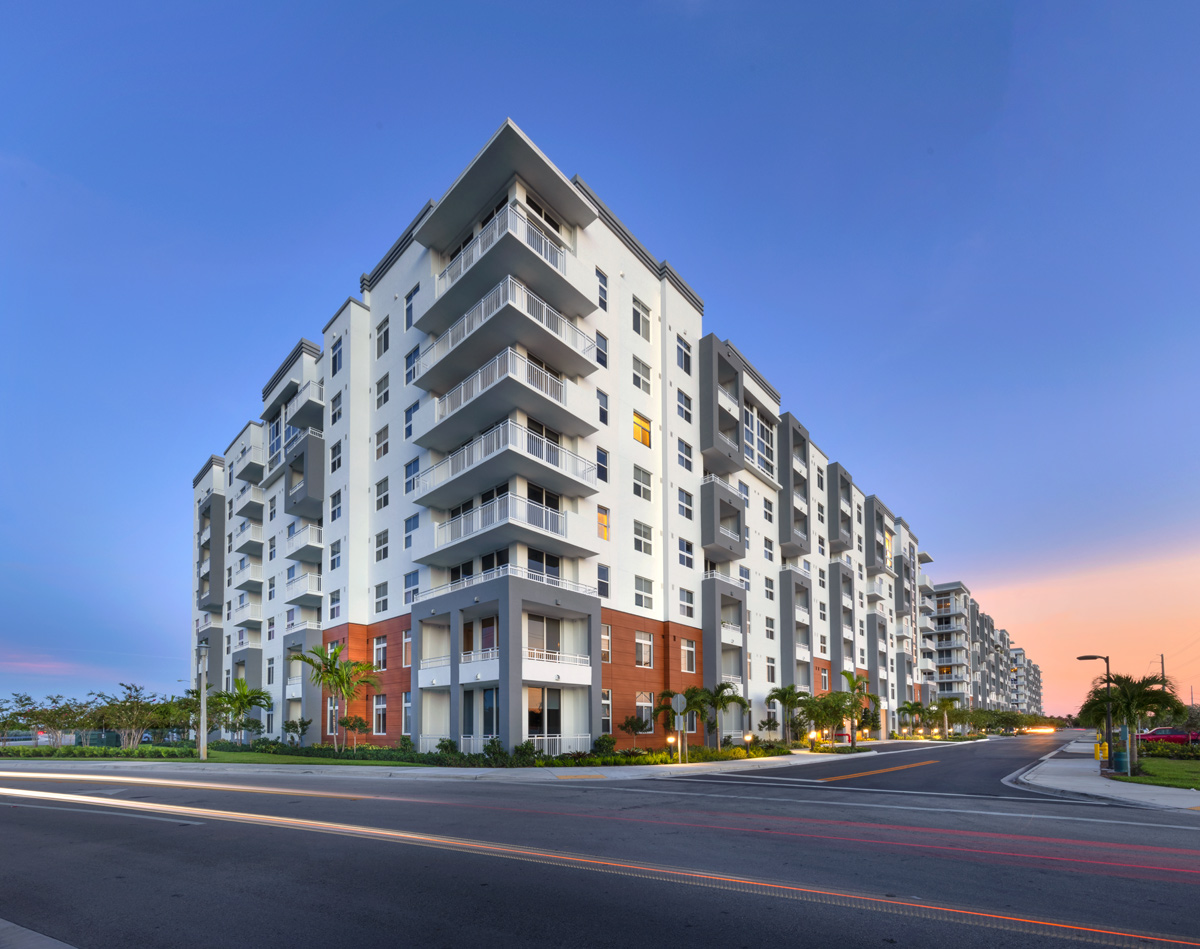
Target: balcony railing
x=728, y=627
x=310, y=390
x=508, y=291
x=799, y=463
x=800, y=569
x=296, y=488
x=729, y=441
x=800, y=501
x=299, y=434
x=474, y=744
x=298, y=624
x=205, y=566
x=507, y=221
x=505, y=508
x=731, y=679
x=550, y=655
x=508, y=434
x=430, y=742
x=508, y=570
x=294, y=680
x=247, y=613
x=435, y=662
x=304, y=583
x=561, y=744
x=206, y=535
x=304, y=537
x=803, y=616
x=734, y=535
x=480, y=655
x=507, y=364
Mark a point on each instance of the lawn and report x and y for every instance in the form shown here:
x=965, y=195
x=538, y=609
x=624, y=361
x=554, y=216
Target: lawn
x=1167, y=772
x=255, y=757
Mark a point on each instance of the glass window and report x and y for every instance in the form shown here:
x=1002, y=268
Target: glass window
x=380, y=715
x=381, y=443
x=644, y=703
x=605, y=642
x=602, y=580
x=335, y=555
x=335, y=505
x=685, y=455
x=642, y=537
x=686, y=553
x=381, y=494
x=683, y=405
x=641, y=429
x=409, y=414
x=381, y=546
x=410, y=525
x=641, y=375
x=381, y=597
x=383, y=338
x=643, y=593
x=602, y=522
x=601, y=350
x=685, y=504
x=411, y=588
x=641, y=483
x=601, y=464
x=411, y=470
x=602, y=399
x=602, y=291
x=408, y=306
x=688, y=650
x=411, y=361
x=335, y=409
x=687, y=605
x=381, y=653
x=644, y=650
x=683, y=354
x=641, y=320
x=335, y=456
x=336, y=357
x=606, y=711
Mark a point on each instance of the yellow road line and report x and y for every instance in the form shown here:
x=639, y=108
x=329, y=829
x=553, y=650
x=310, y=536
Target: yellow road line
x=576, y=777
x=863, y=774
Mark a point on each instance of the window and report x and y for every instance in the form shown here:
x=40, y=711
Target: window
x=686, y=553
x=330, y=716
x=381, y=653
x=271, y=628
x=605, y=642
x=821, y=577
x=744, y=490
x=381, y=443
x=335, y=555
x=381, y=546
x=271, y=589
x=270, y=672
x=409, y=414
x=688, y=657
x=381, y=597
x=641, y=320
x=824, y=643
x=683, y=405
x=770, y=588
x=335, y=604
x=641, y=375
x=769, y=549
x=411, y=360
x=687, y=605
x=825, y=679
x=380, y=714
x=383, y=337
x=643, y=593
x=820, y=545
x=859, y=513
x=603, y=577
x=821, y=610
x=410, y=525
x=335, y=409
x=641, y=429
x=606, y=711
x=411, y=470
x=335, y=505
x=601, y=350
x=408, y=306
x=381, y=494
x=770, y=669
x=641, y=483
x=336, y=361
x=602, y=399
x=644, y=703
x=685, y=504
x=271, y=509
x=821, y=479
x=768, y=511
x=540, y=562
x=770, y=627
x=744, y=577
x=406, y=648
x=685, y=455
x=382, y=390
x=644, y=650
x=602, y=522
x=335, y=456
x=271, y=549
x=411, y=589
x=601, y=464
x=683, y=354
x=406, y=725
x=602, y=295
x=642, y=537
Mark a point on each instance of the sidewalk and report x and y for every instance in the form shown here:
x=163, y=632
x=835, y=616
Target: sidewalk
x=1080, y=777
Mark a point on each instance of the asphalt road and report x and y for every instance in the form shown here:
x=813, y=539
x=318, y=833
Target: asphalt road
x=931, y=850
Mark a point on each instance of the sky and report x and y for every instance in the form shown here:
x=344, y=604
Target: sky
x=983, y=216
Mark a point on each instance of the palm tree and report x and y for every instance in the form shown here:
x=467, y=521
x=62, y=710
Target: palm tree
x=857, y=685
x=239, y=700
x=718, y=699
x=788, y=697
x=945, y=705
x=342, y=678
x=697, y=703
x=824, y=711
x=1132, y=700
x=912, y=711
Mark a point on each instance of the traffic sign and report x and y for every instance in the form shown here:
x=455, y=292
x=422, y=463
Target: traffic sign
x=678, y=703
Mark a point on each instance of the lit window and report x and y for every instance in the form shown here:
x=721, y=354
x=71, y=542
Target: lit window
x=602, y=522
x=641, y=429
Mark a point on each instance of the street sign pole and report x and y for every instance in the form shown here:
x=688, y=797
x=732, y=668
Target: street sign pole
x=678, y=704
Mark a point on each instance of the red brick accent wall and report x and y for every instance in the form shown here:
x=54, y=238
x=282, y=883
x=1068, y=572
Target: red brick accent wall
x=817, y=666
x=393, y=681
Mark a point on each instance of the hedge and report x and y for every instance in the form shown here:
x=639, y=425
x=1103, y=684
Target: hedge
x=82, y=751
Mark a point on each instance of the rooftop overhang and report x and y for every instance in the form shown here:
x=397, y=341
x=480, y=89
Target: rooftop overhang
x=509, y=152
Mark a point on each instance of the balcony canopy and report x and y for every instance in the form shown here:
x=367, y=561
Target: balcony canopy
x=509, y=152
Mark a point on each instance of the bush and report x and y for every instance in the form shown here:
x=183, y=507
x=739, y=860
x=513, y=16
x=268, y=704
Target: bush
x=447, y=746
x=1168, y=749
x=72, y=751
x=604, y=745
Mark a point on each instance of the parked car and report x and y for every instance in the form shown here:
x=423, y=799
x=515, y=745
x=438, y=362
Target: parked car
x=1177, y=735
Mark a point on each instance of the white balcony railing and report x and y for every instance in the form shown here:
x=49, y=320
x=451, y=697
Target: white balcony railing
x=248, y=612
x=435, y=662
x=800, y=501
x=799, y=463
x=251, y=571
x=296, y=488
x=734, y=535
x=508, y=570
x=503, y=509
x=508, y=364
x=299, y=434
x=304, y=583
x=729, y=441
x=550, y=655
x=205, y=566
x=429, y=743
x=803, y=616
x=731, y=679
x=799, y=568
x=206, y=535
x=561, y=744
x=209, y=621
x=507, y=221
x=474, y=744
x=294, y=680
x=507, y=292
x=305, y=537
x=480, y=655
x=728, y=627
x=249, y=455
x=310, y=390
x=506, y=435
x=299, y=624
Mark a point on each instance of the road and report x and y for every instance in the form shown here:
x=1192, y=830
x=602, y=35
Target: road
x=919, y=848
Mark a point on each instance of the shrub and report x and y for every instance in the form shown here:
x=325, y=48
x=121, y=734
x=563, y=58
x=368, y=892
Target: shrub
x=447, y=746
x=604, y=745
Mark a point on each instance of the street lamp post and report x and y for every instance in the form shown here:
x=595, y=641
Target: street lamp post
x=1107, y=706
x=202, y=733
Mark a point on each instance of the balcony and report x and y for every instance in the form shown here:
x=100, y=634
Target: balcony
x=294, y=687
x=881, y=563
x=953, y=626
x=840, y=540
x=799, y=502
x=722, y=577
x=508, y=245
x=508, y=449
x=735, y=681
x=307, y=406
x=844, y=504
x=306, y=545
x=803, y=616
x=246, y=640
x=206, y=536
x=925, y=624
x=303, y=625
x=248, y=615
x=249, y=540
x=799, y=465
x=208, y=623
x=924, y=582
x=249, y=502
x=509, y=570
x=508, y=314
x=803, y=652
x=248, y=577
x=248, y=465
x=304, y=590
x=926, y=606
x=875, y=591
x=848, y=601
x=205, y=567
x=506, y=520
x=731, y=633
x=542, y=665
x=728, y=402
x=799, y=568
x=509, y=381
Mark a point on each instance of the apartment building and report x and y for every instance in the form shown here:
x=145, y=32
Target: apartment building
x=517, y=477
x=1025, y=683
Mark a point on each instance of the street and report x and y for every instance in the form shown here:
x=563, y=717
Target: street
x=912, y=847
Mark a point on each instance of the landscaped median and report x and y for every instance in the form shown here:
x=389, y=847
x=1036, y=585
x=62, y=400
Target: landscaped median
x=1166, y=765
x=99, y=751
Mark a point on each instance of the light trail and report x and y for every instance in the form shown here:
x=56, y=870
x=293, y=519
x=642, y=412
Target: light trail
x=630, y=868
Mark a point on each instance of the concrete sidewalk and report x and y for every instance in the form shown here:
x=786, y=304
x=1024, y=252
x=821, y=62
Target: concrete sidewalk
x=1080, y=777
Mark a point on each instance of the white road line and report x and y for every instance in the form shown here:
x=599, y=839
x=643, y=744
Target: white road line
x=814, y=783
x=92, y=810
x=13, y=936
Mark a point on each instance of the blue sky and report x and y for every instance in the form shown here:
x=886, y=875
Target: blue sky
x=960, y=238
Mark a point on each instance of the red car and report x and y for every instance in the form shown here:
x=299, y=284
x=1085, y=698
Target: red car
x=1177, y=735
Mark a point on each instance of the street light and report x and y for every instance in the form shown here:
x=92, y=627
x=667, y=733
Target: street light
x=202, y=733
x=671, y=742
x=1107, y=705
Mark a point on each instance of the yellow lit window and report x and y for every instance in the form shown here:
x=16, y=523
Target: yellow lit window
x=602, y=522
x=641, y=429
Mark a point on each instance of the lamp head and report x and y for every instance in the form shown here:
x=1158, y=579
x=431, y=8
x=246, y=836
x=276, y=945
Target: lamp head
x=1082, y=658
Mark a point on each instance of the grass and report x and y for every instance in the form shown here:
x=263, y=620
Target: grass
x=1167, y=773
x=255, y=757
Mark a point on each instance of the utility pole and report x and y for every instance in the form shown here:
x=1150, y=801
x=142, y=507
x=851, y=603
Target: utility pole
x=1162, y=665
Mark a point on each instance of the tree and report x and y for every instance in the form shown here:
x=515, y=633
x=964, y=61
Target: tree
x=944, y=706
x=9, y=720
x=23, y=710
x=129, y=713
x=719, y=699
x=342, y=678
x=913, y=711
x=1132, y=701
x=296, y=729
x=824, y=711
x=55, y=716
x=697, y=703
x=357, y=725
x=769, y=725
x=238, y=702
x=634, y=726
x=788, y=697
x=857, y=685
